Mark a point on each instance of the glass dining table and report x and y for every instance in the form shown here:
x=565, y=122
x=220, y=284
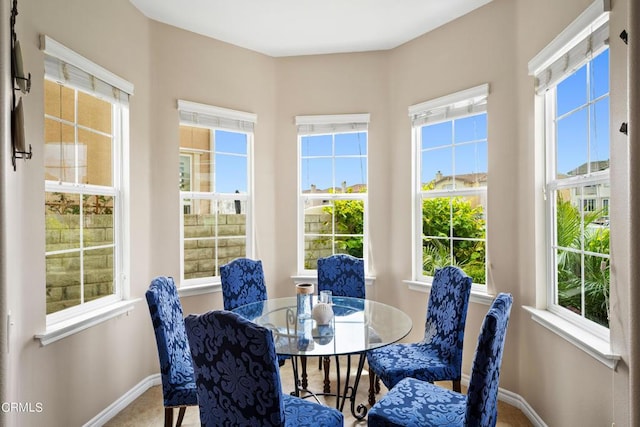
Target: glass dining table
x=357, y=325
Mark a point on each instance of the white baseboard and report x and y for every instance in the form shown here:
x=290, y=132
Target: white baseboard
x=516, y=401
x=124, y=401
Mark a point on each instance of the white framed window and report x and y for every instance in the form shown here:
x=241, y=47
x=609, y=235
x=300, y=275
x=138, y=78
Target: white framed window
x=449, y=137
x=332, y=188
x=572, y=118
x=216, y=189
x=86, y=122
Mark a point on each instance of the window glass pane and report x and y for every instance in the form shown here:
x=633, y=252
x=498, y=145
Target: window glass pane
x=98, y=273
x=231, y=142
x=318, y=218
x=199, y=239
x=447, y=220
x=185, y=172
x=195, y=138
x=351, y=144
x=200, y=169
x=97, y=220
x=318, y=232
x=63, y=281
x=437, y=167
x=470, y=256
x=317, y=145
x=199, y=258
x=349, y=245
x=468, y=217
x=572, y=92
x=469, y=222
x=571, y=144
x=471, y=160
x=231, y=174
x=599, y=141
x=316, y=247
x=350, y=172
x=62, y=221
x=317, y=175
x=349, y=217
x=59, y=151
x=436, y=253
x=596, y=288
x=59, y=101
x=471, y=128
x=94, y=113
x=94, y=158
x=436, y=217
x=437, y=135
x=600, y=75
x=569, y=266
x=229, y=248
x=569, y=218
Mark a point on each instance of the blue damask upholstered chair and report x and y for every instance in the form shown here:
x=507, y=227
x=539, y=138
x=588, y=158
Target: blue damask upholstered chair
x=438, y=357
x=243, y=283
x=176, y=369
x=414, y=402
x=238, y=379
x=343, y=275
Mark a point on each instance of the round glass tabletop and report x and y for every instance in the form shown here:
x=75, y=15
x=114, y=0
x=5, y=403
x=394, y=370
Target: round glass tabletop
x=357, y=325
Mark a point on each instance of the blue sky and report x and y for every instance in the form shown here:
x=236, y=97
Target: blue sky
x=328, y=161
x=461, y=144
x=583, y=124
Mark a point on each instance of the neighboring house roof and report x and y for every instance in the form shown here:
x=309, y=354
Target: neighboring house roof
x=469, y=178
x=356, y=188
x=597, y=165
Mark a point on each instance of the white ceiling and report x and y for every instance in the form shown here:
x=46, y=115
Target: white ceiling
x=308, y=27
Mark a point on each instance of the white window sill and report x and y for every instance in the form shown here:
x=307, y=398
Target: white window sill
x=193, y=290
x=598, y=348
x=477, y=297
x=80, y=323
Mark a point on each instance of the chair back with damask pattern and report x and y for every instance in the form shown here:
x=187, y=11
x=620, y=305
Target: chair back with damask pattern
x=341, y=274
x=242, y=283
x=482, y=395
x=238, y=378
x=176, y=368
x=447, y=313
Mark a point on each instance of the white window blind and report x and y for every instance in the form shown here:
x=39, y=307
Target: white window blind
x=195, y=114
x=459, y=104
x=582, y=40
x=71, y=69
x=336, y=123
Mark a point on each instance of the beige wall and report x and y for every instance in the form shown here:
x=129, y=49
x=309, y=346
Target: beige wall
x=491, y=45
x=77, y=377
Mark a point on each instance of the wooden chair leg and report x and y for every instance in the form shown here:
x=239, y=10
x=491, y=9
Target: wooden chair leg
x=168, y=417
x=456, y=386
x=181, y=415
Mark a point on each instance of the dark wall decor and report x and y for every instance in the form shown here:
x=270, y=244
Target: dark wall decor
x=21, y=84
